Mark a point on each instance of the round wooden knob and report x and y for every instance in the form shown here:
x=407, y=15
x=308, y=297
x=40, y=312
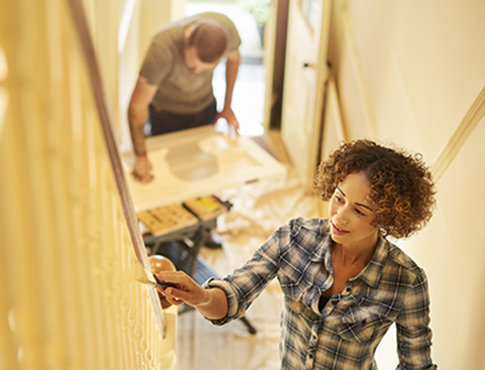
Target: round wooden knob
x=161, y=263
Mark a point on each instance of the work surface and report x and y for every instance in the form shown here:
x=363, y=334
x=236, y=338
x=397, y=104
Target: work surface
x=196, y=162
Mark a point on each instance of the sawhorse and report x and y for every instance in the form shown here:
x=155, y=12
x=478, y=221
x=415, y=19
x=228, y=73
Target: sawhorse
x=182, y=247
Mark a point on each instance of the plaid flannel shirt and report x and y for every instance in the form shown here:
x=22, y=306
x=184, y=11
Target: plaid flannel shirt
x=345, y=334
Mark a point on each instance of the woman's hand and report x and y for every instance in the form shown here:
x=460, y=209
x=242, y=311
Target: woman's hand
x=186, y=290
x=211, y=303
x=160, y=263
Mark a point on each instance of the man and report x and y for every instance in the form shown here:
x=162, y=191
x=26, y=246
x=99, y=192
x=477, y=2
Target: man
x=175, y=82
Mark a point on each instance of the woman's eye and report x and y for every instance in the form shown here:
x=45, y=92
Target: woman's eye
x=360, y=212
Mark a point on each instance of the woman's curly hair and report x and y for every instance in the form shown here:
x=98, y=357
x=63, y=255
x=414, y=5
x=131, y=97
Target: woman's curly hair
x=402, y=187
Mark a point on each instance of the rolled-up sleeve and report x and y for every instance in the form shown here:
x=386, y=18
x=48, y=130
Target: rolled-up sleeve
x=232, y=304
x=413, y=327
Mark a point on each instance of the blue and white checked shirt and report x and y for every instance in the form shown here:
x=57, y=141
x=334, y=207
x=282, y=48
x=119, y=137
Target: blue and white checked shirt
x=344, y=336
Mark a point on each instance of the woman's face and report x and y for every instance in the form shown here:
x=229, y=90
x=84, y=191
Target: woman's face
x=352, y=213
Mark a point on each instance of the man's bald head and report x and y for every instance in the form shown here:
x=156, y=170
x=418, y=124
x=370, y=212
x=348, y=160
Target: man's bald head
x=209, y=39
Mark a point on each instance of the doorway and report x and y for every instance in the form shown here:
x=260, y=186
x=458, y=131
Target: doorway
x=249, y=91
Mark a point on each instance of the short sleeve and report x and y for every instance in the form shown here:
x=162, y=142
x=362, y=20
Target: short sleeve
x=234, y=40
x=157, y=64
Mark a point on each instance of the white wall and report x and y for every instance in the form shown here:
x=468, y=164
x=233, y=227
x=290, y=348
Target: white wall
x=407, y=72
x=142, y=19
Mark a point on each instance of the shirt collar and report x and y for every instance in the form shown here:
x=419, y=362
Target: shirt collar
x=371, y=274
x=323, y=249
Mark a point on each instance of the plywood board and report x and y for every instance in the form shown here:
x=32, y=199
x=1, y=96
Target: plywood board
x=197, y=162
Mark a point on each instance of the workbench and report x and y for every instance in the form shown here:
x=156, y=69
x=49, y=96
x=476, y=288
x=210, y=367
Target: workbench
x=189, y=165
x=178, y=231
x=197, y=162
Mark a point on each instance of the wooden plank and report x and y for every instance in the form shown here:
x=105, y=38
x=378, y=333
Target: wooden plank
x=163, y=220
x=206, y=208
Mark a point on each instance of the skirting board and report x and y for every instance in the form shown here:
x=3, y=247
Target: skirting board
x=198, y=162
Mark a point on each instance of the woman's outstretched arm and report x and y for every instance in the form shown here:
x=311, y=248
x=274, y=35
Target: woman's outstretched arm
x=211, y=303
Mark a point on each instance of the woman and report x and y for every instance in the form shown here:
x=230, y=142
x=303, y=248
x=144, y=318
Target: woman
x=344, y=282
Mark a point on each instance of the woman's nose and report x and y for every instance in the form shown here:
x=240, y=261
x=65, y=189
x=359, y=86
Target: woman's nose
x=342, y=215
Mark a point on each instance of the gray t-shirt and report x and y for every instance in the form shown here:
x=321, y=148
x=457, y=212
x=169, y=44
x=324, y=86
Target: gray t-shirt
x=180, y=90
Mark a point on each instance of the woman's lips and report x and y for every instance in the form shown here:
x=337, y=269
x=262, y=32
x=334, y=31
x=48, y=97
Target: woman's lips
x=338, y=231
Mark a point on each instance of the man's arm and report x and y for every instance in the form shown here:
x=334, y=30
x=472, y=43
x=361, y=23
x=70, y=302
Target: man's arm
x=232, y=66
x=137, y=110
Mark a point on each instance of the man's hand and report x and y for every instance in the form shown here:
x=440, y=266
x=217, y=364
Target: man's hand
x=232, y=66
x=143, y=169
x=230, y=117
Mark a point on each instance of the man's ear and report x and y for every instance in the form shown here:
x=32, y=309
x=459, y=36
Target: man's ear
x=188, y=30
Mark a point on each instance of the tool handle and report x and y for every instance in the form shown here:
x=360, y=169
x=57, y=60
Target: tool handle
x=164, y=284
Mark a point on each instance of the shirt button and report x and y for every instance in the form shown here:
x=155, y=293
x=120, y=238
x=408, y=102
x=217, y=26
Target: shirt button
x=309, y=361
x=348, y=290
